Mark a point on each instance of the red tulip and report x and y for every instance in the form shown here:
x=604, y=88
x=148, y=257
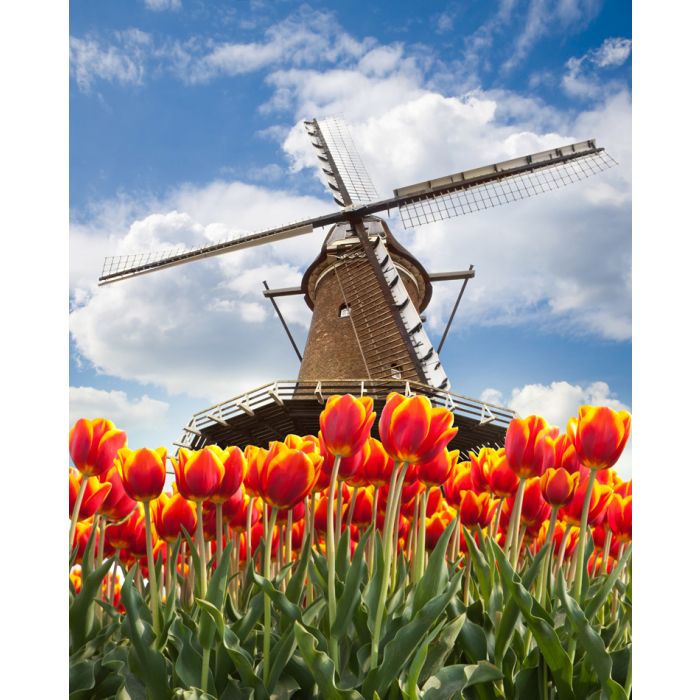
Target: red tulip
x=255, y=457
x=199, y=474
x=535, y=509
x=174, y=514
x=530, y=446
x=346, y=423
x=476, y=510
x=378, y=465
x=620, y=517
x=118, y=503
x=142, y=472
x=600, y=435
x=502, y=480
x=93, y=445
x=558, y=486
x=234, y=468
x=480, y=469
x=437, y=470
x=93, y=498
x=287, y=476
x=412, y=430
x=457, y=483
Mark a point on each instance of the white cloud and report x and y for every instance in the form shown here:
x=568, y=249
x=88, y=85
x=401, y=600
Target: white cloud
x=122, y=62
x=559, y=401
x=88, y=402
x=582, y=78
x=160, y=5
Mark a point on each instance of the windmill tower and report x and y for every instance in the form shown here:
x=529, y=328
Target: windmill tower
x=367, y=293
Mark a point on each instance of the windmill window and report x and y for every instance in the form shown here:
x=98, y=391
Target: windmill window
x=395, y=371
x=344, y=311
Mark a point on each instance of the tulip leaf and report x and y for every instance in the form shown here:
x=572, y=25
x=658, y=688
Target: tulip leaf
x=350, y=597
x=295, y=587
x=451, y=680
x=598, y=600
x=409, y=689
x=188, y=663
x=434, y=579
x=81, y=678
x=480, y=565
x=471, y=638
x=283, y=604
x=511, y=612
x=399, y=650
x=148, y=665
x=321, y=667
x=243, y=663
x=541, y=627
x=81, y=615
x=596, y=653
x=441, y=648
x=372, y=590
x=253, y=613
x=341, y=555
x=216, y=592
x=280, y=654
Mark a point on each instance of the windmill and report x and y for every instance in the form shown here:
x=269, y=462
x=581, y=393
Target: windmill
x=367, y=292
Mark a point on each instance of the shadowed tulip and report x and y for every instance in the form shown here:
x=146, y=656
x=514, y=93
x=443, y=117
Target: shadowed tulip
x=378, y=465
x=457, y=483
x=619, y=517
x=93, y=497
x=118, y=504
x=412, y=430
x=175, y=514
x=480, y=468
x=346, y=423
x=558, y=486
x=503, y=481
x=437, y=470
x=255, y=457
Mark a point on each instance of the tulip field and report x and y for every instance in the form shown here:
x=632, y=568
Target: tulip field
x=339, y=566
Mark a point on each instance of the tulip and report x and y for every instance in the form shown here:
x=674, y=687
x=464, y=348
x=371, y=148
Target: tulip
x=558, y=486
x=502, y=480
x=480, y=469
x=94, y=494
x=93, y=445
x=176, y=514
x=620, y=517
x=142, y=472
x=600, y=435
x=255, y=458
x=378, y=465
x=118, y=504
x=436, y=471
x=346, y=423
x=199, y=474
x=457, y=483
x=476, y=510
x=437, y=523
x=412, y=430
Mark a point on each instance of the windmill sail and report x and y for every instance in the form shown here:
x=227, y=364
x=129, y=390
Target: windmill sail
x=493, y=185
x=341, y=164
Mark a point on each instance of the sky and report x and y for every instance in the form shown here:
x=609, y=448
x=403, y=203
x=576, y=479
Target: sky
x=185, y=127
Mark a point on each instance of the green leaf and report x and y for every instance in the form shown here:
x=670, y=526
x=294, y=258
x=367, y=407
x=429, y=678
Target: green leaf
x=541, y=627
x=434, y=580
x=188, y=662
x=252, y=614
x=148, y=665
x=81, y=678
x=295, y=588
x=243, y=662
x=321, y=667
x=216, y=592
x=280, y=654
x=480, y=565
x=81, y=615
x=471, y=638
x=409, y=689
x=451, y=680
x=341, y=555
x=441, y=648
x=399, y=650
x=598, y=600
x=504, y=633
x=350, y=597
x=372, y=589
x=596, y=653
x=282, y=603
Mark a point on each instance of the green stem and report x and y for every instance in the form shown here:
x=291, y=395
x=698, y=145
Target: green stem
x=467, y=577
x=351, y=509
x=420, y=544
x=370, y=550
x=267, y=610
x=288, y=545
x=513, y=540
x=338, y=516
x=330, y=559
x=205, y=669
x=544, y=574
x=219, y=532
x=387, y=547
x=583, y=532
x=152, y=579
x=76, y=513
x=201, y=546
x=606, y=548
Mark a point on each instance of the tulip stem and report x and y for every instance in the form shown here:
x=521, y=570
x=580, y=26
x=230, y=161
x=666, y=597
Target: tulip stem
x=338, y=516
x=544, y=574
x=419, y=563
x=201, y=546
x=152, y=579
x=497, y=518
x=606, y=548
x=351, y=510
x=513, y=540
x=370, y=555
x=288, y=544
x=267, y=610
x=76, y=513
x=583, y=532
x=219, y=532
x=397, y=477
x=330, y=560
x=114, y=578
x=467, y=577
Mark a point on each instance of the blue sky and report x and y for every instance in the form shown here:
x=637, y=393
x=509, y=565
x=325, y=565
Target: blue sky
x=184, y=127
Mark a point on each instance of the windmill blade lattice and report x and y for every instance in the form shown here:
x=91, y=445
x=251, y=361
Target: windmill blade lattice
x=491, y=186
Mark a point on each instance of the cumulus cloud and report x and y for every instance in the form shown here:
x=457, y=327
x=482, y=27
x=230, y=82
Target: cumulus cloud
x=559, y=401
x=88, y=402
